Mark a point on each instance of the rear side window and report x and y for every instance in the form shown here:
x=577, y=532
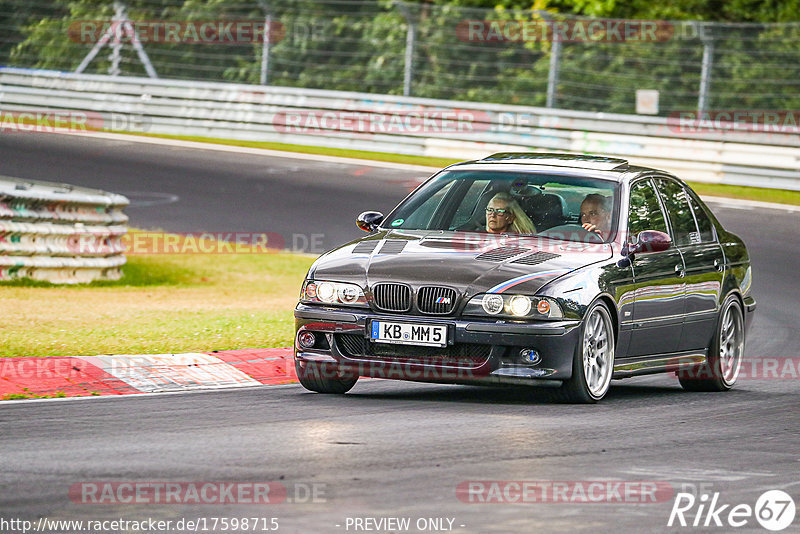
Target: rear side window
x=680, y=212
x=645, y=211
x=704, y=223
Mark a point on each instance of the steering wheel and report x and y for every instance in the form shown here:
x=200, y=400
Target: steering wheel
x=575, y=231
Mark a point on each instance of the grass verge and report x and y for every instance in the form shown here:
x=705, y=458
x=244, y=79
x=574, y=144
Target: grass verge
x=305, y=149
x=780, y=196
x=163, y=304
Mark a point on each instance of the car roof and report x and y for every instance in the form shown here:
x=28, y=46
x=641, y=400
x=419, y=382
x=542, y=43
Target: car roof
x=586, y=165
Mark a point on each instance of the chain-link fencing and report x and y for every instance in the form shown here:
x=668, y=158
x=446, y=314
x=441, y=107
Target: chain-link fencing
x=534, y=58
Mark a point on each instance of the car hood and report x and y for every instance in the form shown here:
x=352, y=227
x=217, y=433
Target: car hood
x=468, y=262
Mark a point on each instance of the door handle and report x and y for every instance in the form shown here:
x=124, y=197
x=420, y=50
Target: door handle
x=680, y=270
x=717, y=265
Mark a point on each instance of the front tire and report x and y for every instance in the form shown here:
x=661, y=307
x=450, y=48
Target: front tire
x=322, y=378
x=721, y=369
x=593, y=363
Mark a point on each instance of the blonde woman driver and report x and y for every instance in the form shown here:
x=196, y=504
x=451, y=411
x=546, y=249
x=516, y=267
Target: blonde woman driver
x=504, y=215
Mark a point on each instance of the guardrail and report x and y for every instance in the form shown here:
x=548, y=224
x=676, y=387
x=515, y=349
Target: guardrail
x=60, y=233
x=725, y=154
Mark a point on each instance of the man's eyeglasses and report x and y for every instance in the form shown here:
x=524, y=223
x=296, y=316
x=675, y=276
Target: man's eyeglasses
x=497, y=211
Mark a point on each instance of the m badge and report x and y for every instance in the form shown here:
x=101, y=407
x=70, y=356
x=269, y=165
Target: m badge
x=443, y=300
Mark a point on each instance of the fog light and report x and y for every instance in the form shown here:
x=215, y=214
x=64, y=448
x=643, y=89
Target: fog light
x=306, y=339
x=530, y=356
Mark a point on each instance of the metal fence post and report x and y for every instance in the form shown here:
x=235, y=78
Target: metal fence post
x=116, y=43
x=705, y=73
x=411, y=39
x=266, y=44
x=555, y=58
x=552, y=74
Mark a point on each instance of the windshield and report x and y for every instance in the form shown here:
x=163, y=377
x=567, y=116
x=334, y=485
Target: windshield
x=502, y=202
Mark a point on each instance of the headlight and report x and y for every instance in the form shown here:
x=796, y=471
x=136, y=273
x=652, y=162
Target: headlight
x=514, y=306
x=326, y=292
x=492, y=304
x=332, y=293
x=519, y=305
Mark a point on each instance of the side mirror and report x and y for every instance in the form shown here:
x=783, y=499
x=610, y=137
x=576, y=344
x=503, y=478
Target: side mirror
x=369, y=220
x=649, y=241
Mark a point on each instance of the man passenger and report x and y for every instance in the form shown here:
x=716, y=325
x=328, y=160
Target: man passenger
x=596, y=214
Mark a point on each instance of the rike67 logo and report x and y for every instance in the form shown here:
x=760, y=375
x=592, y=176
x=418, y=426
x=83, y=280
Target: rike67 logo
x=774, y=510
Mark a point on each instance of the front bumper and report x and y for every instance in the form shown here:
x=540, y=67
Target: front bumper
x=479, y=351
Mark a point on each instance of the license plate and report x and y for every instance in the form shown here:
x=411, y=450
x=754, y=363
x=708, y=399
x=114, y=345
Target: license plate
x=426, y=335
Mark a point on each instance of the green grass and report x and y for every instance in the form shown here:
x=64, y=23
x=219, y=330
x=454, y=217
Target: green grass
x=324, y=151
x=23, y=396
x=780, y=196
x=163, y=304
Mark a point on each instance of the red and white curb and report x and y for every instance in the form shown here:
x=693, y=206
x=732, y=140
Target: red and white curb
x=77, y=376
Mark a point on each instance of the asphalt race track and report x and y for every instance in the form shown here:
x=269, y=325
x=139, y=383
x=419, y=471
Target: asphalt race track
x=213, y=191
x=391, y=449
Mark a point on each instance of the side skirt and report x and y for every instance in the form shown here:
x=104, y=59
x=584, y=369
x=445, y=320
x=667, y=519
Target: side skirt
x=658, y=363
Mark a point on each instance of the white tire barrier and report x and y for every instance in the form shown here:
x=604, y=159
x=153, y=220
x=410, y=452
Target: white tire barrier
x=60, y=233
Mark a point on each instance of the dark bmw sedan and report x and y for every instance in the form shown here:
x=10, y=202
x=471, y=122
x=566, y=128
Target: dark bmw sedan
x=564, y=271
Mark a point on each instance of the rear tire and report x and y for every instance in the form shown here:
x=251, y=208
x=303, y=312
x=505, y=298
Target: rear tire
x=721, y=369
x=322, y=378
x=593, y=363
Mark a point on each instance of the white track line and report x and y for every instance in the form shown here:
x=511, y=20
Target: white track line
x=144, y=395
x=737, y=203
x=255, y=151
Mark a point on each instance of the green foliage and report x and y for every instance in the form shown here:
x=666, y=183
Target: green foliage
x=361, y=46
x=707, y=10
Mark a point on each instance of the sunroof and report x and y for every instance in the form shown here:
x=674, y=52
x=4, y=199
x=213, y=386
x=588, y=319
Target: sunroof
x=559, y=160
